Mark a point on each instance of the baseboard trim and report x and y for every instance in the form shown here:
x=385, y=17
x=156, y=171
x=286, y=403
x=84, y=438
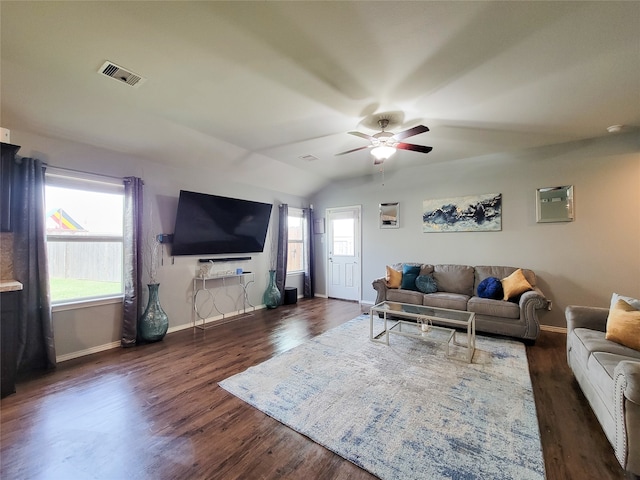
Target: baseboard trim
x=213, y=321
x=209, y=322
x=88, y=351
x=554, y=329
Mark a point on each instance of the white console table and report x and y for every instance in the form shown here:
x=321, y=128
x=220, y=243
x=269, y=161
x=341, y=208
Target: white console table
x=211, y=285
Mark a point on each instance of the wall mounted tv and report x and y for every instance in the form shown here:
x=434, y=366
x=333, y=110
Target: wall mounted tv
x=209, y=224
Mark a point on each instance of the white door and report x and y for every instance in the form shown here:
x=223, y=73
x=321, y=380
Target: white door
x=343, y=253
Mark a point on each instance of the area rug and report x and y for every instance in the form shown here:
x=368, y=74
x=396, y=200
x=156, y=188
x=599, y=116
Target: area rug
x=404, y=411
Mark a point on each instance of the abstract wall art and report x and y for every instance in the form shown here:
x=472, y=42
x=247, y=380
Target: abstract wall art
x=472, y=213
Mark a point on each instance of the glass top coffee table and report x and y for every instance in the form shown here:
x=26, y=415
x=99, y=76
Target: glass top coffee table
x=426, y=323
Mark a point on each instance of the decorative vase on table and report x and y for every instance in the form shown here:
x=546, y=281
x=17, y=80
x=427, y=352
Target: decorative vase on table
x=272, y=295
x=154, y=323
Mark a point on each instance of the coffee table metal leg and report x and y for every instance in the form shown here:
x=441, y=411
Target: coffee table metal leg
x=386, y=327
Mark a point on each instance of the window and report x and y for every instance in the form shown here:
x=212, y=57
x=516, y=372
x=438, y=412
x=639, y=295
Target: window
x=84, y=225
x=296, y=242
x=344, y=235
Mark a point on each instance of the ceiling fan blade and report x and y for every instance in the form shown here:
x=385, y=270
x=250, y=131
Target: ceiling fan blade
x=411, y=132
x=362, y=135
x=415, y=148
x=354, y=150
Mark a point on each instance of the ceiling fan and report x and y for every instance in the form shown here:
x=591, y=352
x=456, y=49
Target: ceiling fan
x=384, y=144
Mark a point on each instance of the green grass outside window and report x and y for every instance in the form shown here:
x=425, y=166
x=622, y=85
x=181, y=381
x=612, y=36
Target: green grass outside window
x=74, y=289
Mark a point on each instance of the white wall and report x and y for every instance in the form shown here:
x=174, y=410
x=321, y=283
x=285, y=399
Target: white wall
x=581, y=262
x=84, y=330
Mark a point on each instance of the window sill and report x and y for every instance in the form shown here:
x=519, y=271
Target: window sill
x=299, y=273
x=95, y=302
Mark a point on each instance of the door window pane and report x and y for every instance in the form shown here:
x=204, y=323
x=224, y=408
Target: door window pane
x=344, y=237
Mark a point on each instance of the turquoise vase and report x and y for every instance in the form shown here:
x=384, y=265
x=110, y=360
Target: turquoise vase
x=271, y=298
x=153, y=323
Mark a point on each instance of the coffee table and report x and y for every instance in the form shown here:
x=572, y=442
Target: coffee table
x=441, y=324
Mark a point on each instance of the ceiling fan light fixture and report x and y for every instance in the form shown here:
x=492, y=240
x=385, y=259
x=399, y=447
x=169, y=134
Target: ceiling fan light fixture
x=383, y=152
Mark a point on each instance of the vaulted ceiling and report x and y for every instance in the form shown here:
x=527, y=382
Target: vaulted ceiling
x=265, y=92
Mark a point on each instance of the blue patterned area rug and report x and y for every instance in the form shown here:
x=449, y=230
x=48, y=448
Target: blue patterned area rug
x=404, y=411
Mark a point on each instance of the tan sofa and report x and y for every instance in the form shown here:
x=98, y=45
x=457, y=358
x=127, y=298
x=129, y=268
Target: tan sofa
x=609, y=375
x=458, y=289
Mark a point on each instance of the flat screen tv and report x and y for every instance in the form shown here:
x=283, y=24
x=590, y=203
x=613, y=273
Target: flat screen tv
x=209, y=224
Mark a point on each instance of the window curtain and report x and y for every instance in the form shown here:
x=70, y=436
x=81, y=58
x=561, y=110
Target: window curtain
x=283, y=244
x=133, y=213
x=308, y=288
x=36, y=347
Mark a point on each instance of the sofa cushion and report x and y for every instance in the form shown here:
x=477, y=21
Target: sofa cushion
x=454, y=279
x=578, y=339
x=490, y=287
x=426, y=284
x=405, y=296
x=393, y=278
x=494, y=308
x=595, y=341
x=453, y=301
x=409, y=275
x=623, y=325
x=601, y=366
x=515, y=284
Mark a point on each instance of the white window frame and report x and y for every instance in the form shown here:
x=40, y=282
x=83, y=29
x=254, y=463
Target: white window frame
x=55, y=177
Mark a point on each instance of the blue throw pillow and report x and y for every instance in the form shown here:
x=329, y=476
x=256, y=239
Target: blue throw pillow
x=491, y=287
x=426, y=284
x=409, y=275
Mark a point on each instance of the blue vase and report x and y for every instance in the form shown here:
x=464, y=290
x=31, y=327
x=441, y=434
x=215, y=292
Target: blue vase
x=154, y=323
x=271, y=297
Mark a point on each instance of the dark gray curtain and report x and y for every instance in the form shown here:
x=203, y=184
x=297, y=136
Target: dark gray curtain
x=36, y=348
x=308, y=288
x=133, y=214
x=283, y=244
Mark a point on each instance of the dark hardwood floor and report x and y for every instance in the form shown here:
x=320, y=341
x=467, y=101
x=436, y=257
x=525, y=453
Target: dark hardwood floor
x=156, y=411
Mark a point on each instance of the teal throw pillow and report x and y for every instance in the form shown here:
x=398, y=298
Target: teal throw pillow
x=426, y=284
x=409, y=275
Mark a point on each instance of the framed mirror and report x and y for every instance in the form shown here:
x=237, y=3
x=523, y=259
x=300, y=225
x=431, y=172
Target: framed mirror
x=390, y=215
x=554, y=204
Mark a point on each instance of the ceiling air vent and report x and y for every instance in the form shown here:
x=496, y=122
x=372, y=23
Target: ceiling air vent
x=121, y=74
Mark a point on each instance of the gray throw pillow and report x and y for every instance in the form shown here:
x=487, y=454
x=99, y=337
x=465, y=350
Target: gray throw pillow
x=426, y=284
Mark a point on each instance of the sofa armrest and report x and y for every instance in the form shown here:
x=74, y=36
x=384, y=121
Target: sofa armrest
x=380, y=286
x=593, y=318
x=626, y=407
x=630, y=369
x=534, y=297
x=530, y=302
